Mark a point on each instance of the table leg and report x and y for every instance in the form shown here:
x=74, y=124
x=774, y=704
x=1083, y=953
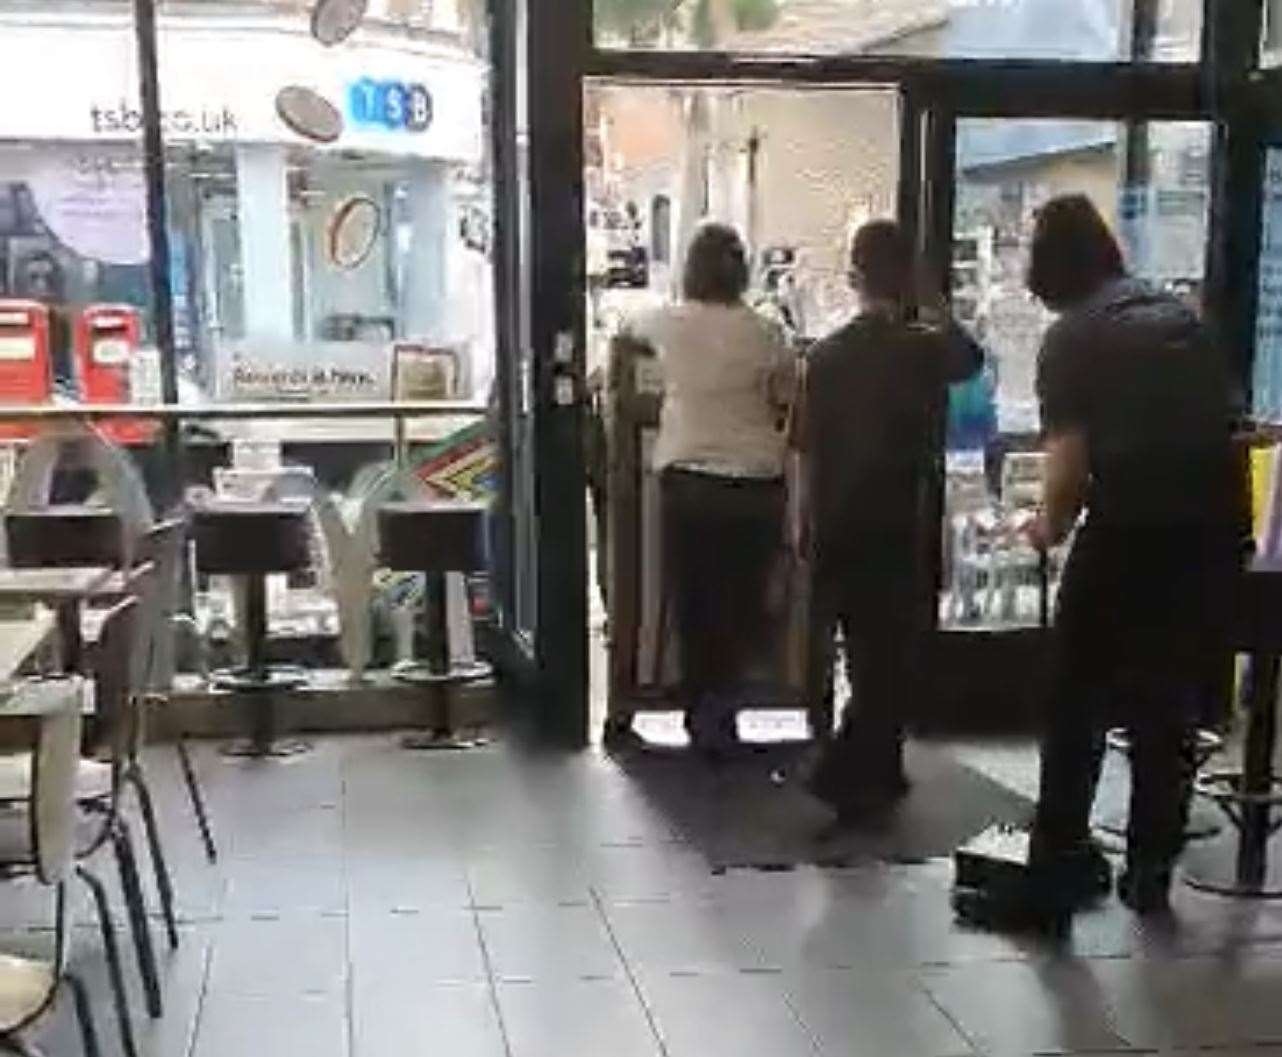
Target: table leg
x=69, y=639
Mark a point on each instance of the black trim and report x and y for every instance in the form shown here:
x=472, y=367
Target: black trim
x=996, y=88
x=558, y=36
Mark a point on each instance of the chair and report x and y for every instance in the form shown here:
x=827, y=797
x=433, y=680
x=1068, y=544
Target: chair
x=251, y=541
x=40, y=844
x=98, y=785
x=163, y=545
x=434, y=539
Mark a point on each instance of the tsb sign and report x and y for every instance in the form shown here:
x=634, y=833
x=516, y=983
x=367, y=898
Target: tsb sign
x=392, y=105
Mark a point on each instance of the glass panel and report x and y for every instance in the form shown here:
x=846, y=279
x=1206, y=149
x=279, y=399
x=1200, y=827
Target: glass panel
x=796, y=171
x=330, y=221
x=75, y=295
x=327, y=245
x=971, y=29
x=1271, y=46
x=329, y=206
x=1152, y=182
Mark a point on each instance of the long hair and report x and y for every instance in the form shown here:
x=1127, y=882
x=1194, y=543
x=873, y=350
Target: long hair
x=1073, y=252
x=716, y=268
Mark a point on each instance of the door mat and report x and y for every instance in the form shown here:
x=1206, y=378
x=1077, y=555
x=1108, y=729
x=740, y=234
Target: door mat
x=756, y=814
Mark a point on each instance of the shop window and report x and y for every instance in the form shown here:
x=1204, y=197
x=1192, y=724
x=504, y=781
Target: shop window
x=974, y=29
x=1271, y=46
x=1151, y=182
x=313, y=251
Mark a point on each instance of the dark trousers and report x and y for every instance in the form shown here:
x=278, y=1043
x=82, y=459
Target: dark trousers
x=1140, y=625
x=1162, y=771
x=721, y=538
x=869, y=590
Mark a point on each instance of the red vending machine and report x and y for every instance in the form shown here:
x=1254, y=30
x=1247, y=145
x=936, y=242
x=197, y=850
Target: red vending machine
x=27, y=332
x=106, y=343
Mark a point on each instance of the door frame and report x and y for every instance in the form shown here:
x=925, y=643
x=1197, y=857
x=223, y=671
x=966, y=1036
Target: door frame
x=537, y=52
x=561, y=56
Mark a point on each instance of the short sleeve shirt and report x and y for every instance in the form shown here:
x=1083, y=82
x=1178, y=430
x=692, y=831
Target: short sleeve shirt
x=721, y=367
x=1135, y=371
x=875, y=395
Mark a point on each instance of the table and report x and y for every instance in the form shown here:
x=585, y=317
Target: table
x=20, y=639
x=28, y=699
x=64, y=590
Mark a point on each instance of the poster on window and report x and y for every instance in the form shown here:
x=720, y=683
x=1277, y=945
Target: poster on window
x=93, y=200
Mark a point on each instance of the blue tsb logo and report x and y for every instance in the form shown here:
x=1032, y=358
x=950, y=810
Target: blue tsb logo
x=393, y=105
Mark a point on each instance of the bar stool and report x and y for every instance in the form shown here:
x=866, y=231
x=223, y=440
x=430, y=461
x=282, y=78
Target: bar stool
x=1251, y=796
x=435, y=538
x=251, y=541
x=65, y=536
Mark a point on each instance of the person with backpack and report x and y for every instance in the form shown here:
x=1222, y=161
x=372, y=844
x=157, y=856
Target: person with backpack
x=1137, y=418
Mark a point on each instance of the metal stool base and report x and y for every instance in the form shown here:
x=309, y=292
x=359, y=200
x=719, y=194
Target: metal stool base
x=418, y=673
x=277, y=749
x=1214, y=868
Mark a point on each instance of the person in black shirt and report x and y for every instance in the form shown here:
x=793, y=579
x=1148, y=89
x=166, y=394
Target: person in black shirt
x=870, y=431
x=1137, y=416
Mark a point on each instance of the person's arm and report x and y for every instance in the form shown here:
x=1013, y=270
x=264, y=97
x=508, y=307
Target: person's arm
x=1063, y=386
x=963, y=355
x=1067, y=476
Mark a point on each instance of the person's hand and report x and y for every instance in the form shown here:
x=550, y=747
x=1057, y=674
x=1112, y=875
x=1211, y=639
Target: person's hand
x=1041, y=533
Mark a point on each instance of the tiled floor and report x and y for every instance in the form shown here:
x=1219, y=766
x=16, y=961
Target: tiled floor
x=372, y=903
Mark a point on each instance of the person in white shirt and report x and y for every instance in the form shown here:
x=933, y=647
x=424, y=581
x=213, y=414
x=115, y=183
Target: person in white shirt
x=727, y=375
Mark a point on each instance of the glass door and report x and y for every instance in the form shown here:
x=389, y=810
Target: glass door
x=1152, y=182
x=796, y=169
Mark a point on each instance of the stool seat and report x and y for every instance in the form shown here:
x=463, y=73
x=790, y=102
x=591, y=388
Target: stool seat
x=251, y=539
x=432, y=536
x=64, y=536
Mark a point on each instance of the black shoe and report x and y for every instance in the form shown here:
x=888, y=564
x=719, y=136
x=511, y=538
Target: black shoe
x=619, y=737
x=1146, y=891
x=1084, y=876
x=713, y=727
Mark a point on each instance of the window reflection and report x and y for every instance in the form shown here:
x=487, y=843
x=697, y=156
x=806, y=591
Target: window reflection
x=977, y=29
x=342, y=263
x=1152, y=182
x=257, y=210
